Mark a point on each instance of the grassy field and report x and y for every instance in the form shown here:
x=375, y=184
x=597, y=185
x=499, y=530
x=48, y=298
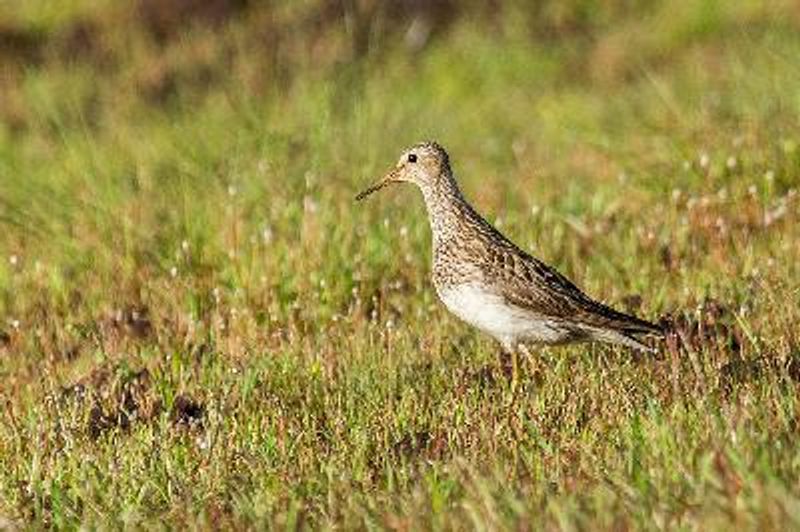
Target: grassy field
x=200, y=328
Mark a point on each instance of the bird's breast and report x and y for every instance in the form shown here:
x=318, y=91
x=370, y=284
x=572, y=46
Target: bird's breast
x=455, y=263
x=483, y=308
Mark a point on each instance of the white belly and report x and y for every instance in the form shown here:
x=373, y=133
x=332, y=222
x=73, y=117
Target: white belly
x=509, y=324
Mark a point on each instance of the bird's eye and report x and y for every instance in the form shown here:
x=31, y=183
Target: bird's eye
x=412, y=157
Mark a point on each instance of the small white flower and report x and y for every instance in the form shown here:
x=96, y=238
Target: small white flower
x=13, y=259
x=731, y=162
x=704, y=160
x=173, y=272
x=185, y=245
x=231, y=190
x=769, y=176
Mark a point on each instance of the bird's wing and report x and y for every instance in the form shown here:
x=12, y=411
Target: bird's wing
x=533, y=285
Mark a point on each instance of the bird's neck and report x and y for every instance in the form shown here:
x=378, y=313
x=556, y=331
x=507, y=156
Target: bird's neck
x=446, y=208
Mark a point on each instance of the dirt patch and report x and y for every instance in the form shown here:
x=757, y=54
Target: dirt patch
x=711, y=326
x=187, y=411
x=165, y=19
x=133, y=321
x=21, y=45
x=738, y=371
x=83, y=40
x=116, y=398
x=421, y=444
x=80, y=40
x=712, y=330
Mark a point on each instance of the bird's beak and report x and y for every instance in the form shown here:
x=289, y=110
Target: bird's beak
x=387, y=179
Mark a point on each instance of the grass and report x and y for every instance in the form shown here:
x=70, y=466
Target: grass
x=199, y=327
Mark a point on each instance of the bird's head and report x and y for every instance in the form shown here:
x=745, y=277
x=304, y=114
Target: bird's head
x=423, y=164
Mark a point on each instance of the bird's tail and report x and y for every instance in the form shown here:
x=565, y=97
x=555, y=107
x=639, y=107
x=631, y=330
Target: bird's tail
x=627, y=337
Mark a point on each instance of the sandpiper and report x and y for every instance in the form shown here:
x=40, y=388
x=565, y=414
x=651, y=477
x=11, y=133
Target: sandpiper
x=489, y=282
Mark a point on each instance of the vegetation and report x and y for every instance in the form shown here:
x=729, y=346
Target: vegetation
x=199, y=327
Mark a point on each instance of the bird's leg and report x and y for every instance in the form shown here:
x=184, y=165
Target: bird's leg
x=505, y=359
x=528, y=356
x=509, y=363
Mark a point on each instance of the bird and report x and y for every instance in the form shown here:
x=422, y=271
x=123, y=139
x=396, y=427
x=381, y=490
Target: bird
x=489, y=282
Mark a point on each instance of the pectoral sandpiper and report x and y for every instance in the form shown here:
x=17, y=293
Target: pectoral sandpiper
x=489, y=282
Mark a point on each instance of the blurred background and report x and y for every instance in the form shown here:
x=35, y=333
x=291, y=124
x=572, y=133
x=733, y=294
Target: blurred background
x=128, y=128
x=180, y=51
x=238, y=129
x=131, y=129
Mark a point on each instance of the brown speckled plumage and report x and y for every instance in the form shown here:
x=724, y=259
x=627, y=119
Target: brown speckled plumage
x=488, y=281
